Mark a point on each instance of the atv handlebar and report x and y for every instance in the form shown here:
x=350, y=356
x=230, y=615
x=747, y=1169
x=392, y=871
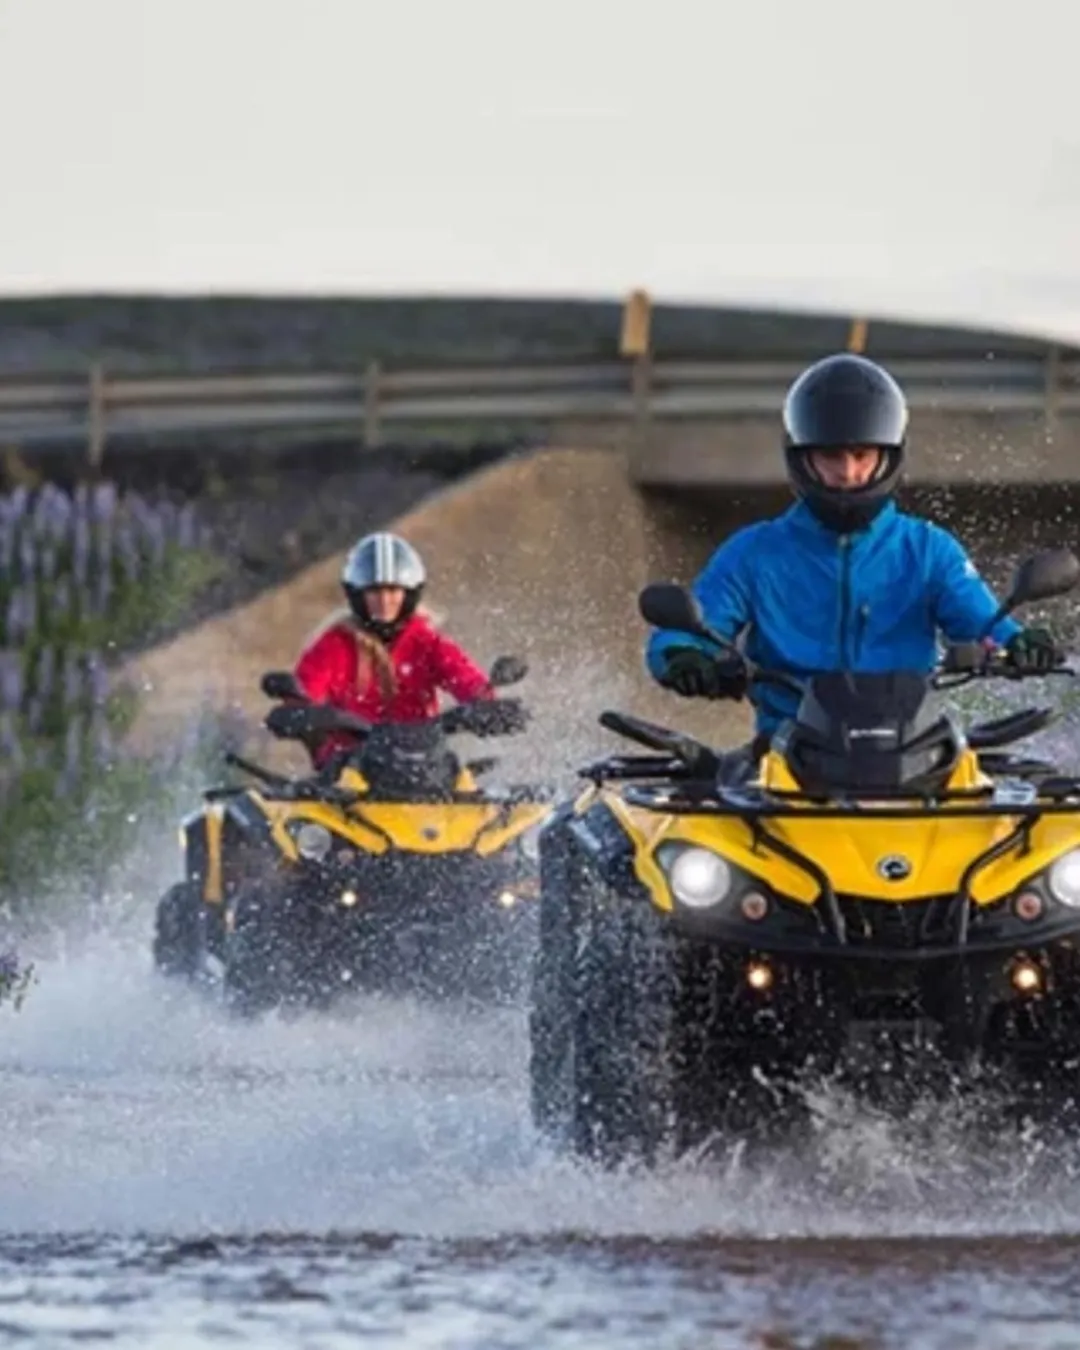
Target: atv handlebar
x=962, y=663
x=481, y=717
x=966, y=661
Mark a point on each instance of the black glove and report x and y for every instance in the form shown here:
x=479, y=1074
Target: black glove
x=1032, y=650
x=693, y=673
x=494, y=717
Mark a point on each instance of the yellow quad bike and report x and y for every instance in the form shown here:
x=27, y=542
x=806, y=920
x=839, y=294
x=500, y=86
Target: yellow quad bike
x=390, y=869
x=883, y=895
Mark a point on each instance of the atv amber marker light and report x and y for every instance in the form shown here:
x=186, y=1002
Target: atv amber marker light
x=699, y=878
x=1026, y=977
x=754, y=906
x=1028, y=905
x=1064, y=878
x=759, y=976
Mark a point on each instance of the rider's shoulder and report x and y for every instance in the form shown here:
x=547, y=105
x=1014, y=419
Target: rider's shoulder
x=931, y=536
x=334, y=631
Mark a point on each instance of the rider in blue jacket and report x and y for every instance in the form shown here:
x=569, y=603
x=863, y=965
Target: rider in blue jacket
x=843, y=580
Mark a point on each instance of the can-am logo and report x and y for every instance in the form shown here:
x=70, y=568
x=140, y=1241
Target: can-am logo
x=894, y=867
x=875, y=733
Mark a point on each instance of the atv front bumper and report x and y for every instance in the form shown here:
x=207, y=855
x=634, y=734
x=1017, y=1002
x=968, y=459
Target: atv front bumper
x=408, y=924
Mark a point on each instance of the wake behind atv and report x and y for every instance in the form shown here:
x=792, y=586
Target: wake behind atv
x=883, y=895
x=390, y=869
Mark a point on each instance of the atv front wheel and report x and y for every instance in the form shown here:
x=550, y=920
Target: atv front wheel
x=602, y=1066
x=257, y=971
x=177, y=942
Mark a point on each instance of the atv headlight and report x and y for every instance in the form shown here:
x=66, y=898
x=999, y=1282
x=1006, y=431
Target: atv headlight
x=1063, y=879
x=313, y=841
x=699, y=877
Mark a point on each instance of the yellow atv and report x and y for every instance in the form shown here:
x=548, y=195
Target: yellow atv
x=389, y=869
x=883, y=895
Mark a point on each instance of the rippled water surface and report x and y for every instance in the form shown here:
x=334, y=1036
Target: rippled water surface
x=169, y=1178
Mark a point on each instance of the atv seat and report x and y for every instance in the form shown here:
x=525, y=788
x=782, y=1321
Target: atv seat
x=1012, y=727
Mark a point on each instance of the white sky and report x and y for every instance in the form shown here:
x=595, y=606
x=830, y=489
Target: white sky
x=918, y=157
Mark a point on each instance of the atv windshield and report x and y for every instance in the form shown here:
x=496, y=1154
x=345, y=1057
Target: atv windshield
x=407, y=760
x=858, y=733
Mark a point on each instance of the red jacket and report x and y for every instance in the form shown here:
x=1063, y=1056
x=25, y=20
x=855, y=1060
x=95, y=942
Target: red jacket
x=334, y=669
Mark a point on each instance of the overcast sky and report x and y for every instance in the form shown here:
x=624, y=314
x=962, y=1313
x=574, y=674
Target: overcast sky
x=919, y=157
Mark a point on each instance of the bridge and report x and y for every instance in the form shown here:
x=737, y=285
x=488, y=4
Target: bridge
x=987, y=407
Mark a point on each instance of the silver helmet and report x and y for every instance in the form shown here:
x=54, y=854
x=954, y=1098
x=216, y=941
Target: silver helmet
x=383, y=560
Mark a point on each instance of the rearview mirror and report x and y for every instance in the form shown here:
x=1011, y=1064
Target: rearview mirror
x=507, y=670
x=664, y=604
x=1053, y=571
x=281, y=684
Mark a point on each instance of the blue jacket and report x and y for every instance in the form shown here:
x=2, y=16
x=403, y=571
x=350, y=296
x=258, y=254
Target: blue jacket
x=814, y=600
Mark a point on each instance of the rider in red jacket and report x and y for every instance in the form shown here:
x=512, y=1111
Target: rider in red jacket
x=381, y=659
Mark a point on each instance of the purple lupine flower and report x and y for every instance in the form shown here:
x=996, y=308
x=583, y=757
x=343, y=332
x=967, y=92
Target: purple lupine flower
x=27, y=555
x=18, y=502
x=73, y=682
x=97, y=674
x=80, y=551
x=103, y=592
x=186, y=526
x=128, y=553
x=30, y=608
x=105, y=539
x=101, y=738
x=104, y=501
x=73, y=745
x=60, y=602
x=47, y=563
x=34, y=716
x=45, y=674
x=12, y=684
x=157, y=539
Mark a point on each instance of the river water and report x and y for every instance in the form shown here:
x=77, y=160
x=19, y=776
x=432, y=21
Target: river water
x=171, y=1178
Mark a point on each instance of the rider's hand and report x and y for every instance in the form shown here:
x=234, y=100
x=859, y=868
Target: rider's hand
x=1032, y=650
x=693, y=673
x=496, y=717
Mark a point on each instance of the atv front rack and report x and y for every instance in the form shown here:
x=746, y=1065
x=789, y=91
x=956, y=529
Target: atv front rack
x=1061, y=797
x=755, y=808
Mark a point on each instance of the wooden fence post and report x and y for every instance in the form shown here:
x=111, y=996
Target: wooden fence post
x=857, y=336
x=95, y=418
x=635, y=344
x=1051, y=389
x=372, y=378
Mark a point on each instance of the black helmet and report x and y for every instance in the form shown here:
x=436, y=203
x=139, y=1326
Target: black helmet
x=845, y=400
x=383, y=560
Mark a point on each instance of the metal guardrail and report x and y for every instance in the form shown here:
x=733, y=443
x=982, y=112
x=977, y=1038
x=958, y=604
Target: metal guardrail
x=71, y=412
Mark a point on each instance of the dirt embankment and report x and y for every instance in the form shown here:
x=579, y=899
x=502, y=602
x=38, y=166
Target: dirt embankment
x=542, y=555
